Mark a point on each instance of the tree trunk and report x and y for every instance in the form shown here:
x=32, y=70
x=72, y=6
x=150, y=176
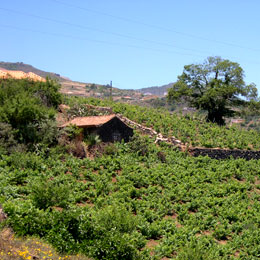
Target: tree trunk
x=215, y=117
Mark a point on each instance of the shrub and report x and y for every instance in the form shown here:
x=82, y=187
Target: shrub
x=92, y=140
x=195, y=251
x=73, y=132
x=139, y=145
x=110, y=149
x=7, y=139
x=113, y=234
x=24, y=104
x=25, y=219
x=46, y=193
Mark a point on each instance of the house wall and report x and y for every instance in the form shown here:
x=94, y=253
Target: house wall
x=114, y=130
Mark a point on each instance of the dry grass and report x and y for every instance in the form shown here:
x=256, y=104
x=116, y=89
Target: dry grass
x=20, y=75
x=12, y=248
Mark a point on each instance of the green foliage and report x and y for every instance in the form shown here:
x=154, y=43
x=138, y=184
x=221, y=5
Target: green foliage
x=78, y=110
x=110, y=149
x=92, y=139
x=48, y=92
x=189, y=129
x=138, y=144
x=138, y=193
x=8, y=143
x=111, y=206
x=48, y=132
x=72, y=131
x=215, y=86
x=114, y=234
x=46, y=193
x=193, y=251
x=25, y=104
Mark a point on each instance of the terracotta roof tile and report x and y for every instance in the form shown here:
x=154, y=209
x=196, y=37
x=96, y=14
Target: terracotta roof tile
x=89, y=121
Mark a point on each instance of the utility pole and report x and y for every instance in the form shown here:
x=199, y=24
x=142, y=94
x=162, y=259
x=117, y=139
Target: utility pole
x=111, y=90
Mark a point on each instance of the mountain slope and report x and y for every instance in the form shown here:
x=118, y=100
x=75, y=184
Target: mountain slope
x=156, y=90
x=20, y=66
x=71, y=87
x=68, y=86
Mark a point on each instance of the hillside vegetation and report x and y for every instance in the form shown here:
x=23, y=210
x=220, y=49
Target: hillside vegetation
x=188, y=129
x=136, y=200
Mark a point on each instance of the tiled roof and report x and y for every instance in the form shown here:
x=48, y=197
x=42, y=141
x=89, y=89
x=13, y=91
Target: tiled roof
x=89, y=121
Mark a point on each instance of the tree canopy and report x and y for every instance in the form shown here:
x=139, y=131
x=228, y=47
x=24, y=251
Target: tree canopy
x=216, y=85
x=25, y=105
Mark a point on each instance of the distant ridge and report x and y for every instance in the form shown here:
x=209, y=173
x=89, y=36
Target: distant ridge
x=20, y=66
x=156, y=90
x=84, y=89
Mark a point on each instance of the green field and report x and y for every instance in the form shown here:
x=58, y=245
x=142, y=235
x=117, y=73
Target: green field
x=136, y=200
x=130, y=205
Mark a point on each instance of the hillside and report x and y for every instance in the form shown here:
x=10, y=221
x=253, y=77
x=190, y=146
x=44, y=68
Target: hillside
x=138, y=200
x=189, y=129
x=20, y=66
x=156, y=90
x=16, y=74
x=83, y=89
x=76, y=88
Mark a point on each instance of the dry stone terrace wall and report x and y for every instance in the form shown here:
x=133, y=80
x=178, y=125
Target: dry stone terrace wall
x=214, y=153
x=194, y=151
x=143, y=129
x=149, y=131
x=224, y=153
x=101, y=109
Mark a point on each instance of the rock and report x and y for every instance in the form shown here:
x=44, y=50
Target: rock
x=3, y=216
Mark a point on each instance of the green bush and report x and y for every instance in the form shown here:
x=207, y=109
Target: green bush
x=110, y=149
x=139, y=145
x=46, y=193
x=113, y=234
x=195, y=251
x=92, y=140
x=24, y=104
x=8, y=143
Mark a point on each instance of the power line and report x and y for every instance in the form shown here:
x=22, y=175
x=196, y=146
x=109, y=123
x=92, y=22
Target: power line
x=106, y=42
x=95, y=41
x=100, y=31
x=155, y=26
x=97, y=30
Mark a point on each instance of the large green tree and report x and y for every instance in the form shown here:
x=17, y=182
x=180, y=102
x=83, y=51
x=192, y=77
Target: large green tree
x=216, y=85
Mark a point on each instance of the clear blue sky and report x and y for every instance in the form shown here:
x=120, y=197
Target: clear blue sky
x=137, y=43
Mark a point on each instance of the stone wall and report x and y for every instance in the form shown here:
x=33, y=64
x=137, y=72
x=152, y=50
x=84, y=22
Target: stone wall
x=141, y=128
x=149, y=131
x=224, y=153
x=214, y=153
x=101, y=109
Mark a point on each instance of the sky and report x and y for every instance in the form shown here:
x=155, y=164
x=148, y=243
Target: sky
x=136, y=44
